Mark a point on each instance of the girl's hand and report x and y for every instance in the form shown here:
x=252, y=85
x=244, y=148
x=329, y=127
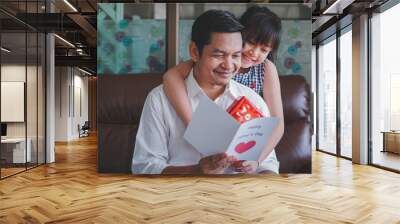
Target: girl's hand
x=246, y=166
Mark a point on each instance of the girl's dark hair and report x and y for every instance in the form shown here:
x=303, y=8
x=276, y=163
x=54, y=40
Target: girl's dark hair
x=262, y=26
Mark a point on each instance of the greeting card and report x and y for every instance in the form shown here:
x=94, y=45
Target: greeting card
x=213, y=130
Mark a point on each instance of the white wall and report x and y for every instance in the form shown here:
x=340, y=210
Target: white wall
x=70, y=83
x=61, y=103
x=16, y=73
x=11, y=73
x=33, y=127
x=79, y=103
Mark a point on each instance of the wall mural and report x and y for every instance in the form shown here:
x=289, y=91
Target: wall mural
x=295, y=48
x=129, y=45
x=132, y=41
x=135, y=45
x=293, y=54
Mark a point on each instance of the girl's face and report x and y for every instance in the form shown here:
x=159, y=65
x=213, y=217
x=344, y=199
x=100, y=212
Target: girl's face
x=254, y=54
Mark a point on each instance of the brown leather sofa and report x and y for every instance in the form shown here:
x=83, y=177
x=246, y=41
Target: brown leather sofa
x=120, y=102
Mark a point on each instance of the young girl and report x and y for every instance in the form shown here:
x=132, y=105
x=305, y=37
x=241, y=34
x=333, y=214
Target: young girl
x=261, y=39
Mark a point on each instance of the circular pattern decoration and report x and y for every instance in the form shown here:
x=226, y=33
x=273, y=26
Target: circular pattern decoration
x=127, y=41
x=292, y=50
x=154, y=63
x=160, y=43
x=123, y=24
x=296, y=67
x=154, y=48
x=293, y=32
x=156, y=31
x=119, y=36
x=289, y=62
x=128, y=67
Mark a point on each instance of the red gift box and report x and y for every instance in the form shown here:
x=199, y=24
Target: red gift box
x=243, y=110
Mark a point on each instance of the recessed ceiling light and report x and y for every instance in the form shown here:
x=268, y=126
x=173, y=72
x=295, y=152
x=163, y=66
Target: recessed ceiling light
x=64, y=40
x=86, y=72
x=5, y=50
x=70, y=5
x=337, y=7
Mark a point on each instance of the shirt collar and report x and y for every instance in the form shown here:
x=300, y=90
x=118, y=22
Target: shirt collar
x=193, y=87
x=231, y=89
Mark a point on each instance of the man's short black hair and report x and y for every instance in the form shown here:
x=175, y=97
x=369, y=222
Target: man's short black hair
x=213, y=21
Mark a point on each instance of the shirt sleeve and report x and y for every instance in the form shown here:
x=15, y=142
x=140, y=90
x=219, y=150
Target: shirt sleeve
x=150, y=155
x=260, y=104
x=264, y=109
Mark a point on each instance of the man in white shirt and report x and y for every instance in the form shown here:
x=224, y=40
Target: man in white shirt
x=216, y=50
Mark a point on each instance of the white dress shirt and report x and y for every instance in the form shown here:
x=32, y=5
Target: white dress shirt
x=159, y=140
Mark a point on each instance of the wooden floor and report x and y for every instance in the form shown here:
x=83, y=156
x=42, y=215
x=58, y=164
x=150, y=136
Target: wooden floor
x=8, y=171
x=71, y=191
x=5, y=172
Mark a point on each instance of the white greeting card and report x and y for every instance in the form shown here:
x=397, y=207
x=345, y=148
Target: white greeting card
x=213, y=130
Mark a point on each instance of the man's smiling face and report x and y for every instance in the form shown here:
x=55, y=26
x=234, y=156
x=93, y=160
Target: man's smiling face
x=220, y=59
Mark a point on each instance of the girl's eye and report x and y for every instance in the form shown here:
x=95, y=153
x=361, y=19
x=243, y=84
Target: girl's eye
x=266, y=50
x=251, y=43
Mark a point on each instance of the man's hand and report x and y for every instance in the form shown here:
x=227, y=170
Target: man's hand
x=246, y=166
x=215, y=164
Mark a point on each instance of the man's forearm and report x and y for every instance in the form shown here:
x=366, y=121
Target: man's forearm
x=191, y=169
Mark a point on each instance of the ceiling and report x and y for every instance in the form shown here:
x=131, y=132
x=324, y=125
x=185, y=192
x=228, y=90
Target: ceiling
x=78, y=26
x=330, y=16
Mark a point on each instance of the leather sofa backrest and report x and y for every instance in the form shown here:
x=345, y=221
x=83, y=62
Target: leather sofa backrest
x=294, y=149
x=120, y=103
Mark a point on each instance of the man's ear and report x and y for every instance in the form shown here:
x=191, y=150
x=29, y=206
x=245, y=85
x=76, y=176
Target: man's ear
x=194, y=52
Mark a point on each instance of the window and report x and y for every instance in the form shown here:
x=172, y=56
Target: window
x=22, y=68
x=385, y=87
x=327, y=96
x=346, y=93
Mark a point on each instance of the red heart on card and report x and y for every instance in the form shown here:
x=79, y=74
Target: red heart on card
x=243, y=146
